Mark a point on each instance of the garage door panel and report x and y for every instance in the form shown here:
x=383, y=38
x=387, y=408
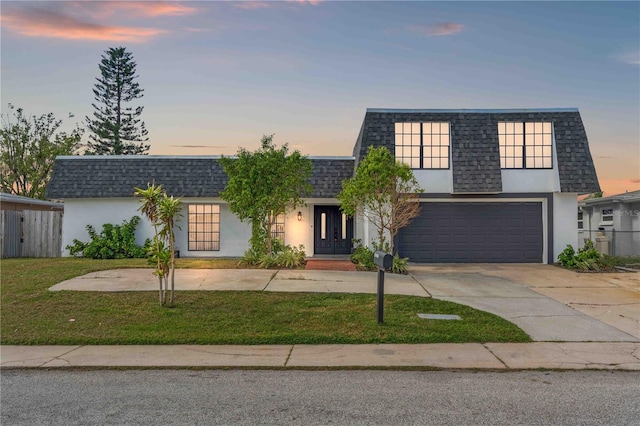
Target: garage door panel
x=474, y=232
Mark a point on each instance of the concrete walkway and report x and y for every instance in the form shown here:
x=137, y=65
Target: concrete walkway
x=492, y=356
x=578, y=321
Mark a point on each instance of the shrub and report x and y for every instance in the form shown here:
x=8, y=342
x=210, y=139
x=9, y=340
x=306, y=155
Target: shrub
x=568, y=257
x=362, y=256
x=586, y=259
x=285, y=257
x=114, y=242
x=400, y=265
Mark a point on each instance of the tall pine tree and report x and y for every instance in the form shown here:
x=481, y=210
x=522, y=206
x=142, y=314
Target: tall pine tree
x=116, y=128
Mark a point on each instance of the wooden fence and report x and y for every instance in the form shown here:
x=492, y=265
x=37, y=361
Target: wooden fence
x=30, y=233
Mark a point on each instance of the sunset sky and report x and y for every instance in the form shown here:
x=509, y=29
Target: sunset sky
x=219, y=75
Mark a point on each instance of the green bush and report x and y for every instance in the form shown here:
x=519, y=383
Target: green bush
x=362, y=256
x=568, y=257
x=286, y=257
x=114, y=242
x=400, y=265
x=586, y=259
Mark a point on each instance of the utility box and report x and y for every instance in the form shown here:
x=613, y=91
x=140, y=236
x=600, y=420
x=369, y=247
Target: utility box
x=382, y=260
x=603, y=244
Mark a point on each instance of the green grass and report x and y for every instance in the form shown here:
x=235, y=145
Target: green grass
x=35, y=316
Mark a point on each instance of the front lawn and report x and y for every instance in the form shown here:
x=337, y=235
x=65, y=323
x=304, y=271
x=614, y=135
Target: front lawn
x=33, y=315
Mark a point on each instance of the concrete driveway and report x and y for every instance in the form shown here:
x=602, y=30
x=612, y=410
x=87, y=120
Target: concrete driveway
x=547, y=302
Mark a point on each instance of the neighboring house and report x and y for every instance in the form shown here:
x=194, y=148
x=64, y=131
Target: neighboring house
x=20, y=203
x=500, y=186
x=617, y=217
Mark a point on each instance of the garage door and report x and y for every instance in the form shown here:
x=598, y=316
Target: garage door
x=474, y=232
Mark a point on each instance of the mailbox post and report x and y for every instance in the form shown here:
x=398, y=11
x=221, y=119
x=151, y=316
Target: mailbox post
x=383, y=261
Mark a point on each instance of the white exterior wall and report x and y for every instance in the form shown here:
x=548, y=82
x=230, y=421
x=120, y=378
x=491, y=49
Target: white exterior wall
x=435, y=181
x=78, y=213
x=565, y=223
x=234, y=235
x=529, y=180
x=300, y=232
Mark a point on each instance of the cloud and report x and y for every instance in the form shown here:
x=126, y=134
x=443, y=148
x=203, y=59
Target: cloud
x=630, y=57
x=265, y=4
x=86, y=20
x=438, y=29
x=149, y=9
x=251, y=5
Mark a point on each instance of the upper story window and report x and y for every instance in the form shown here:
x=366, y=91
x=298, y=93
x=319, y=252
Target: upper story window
x=423, y=145
x=525, y=145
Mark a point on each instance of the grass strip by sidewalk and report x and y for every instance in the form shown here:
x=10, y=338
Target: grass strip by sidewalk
x=33, y=315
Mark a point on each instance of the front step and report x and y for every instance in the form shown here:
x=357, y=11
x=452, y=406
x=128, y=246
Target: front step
x=330, y=265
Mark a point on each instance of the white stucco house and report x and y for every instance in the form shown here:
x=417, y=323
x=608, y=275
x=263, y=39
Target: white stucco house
x=617, y=217
x=500, y=186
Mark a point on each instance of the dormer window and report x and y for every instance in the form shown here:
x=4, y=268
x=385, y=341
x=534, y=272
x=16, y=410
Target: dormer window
x=526, y=145
x=423, y=145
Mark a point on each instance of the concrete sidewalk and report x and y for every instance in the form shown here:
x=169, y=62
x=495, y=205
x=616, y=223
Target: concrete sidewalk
x=489, y=356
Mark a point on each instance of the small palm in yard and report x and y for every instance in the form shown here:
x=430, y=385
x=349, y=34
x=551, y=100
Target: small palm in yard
x=162, y=211
x=168, y=211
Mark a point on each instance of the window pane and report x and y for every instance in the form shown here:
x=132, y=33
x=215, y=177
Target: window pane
x=435, y=128
x=546, y=163
x=426, y=128
x=415, y=128
x=509, y=128
x=415, y=163
x=518, y=128
x=538, y=127
x=501, y=127
x=426, y=140
x=502, y=139
x=398, y=128
x=427, y=163
x=444, y=128
x=415, y=152
x=415, y=140
x=444, y=163
x=546, y=127
x=344, y=226
x=323, y=226
x=546, y=139
x=444, y=140
x=528, y=127
x=517, y=163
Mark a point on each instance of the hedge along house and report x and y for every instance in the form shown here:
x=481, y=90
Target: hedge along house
x=500, y=186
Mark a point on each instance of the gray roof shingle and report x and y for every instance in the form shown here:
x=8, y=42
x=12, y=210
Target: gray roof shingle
x=475, y=155
x=117, y=176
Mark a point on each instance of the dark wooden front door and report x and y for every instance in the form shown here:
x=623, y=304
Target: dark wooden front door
x=332, y=232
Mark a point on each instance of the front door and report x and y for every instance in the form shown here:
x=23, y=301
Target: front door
x=333, y=231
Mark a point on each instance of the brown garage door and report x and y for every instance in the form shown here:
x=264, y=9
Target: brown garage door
x=474, y=232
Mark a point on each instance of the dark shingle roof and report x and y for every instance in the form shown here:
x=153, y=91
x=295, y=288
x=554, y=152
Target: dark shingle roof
x=117, y=176
x=475, y=157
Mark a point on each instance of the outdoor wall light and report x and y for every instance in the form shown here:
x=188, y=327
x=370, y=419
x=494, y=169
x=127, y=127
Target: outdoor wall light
x=299, y=216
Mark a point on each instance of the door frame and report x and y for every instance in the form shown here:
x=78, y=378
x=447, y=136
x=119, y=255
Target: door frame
x=339, y=245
